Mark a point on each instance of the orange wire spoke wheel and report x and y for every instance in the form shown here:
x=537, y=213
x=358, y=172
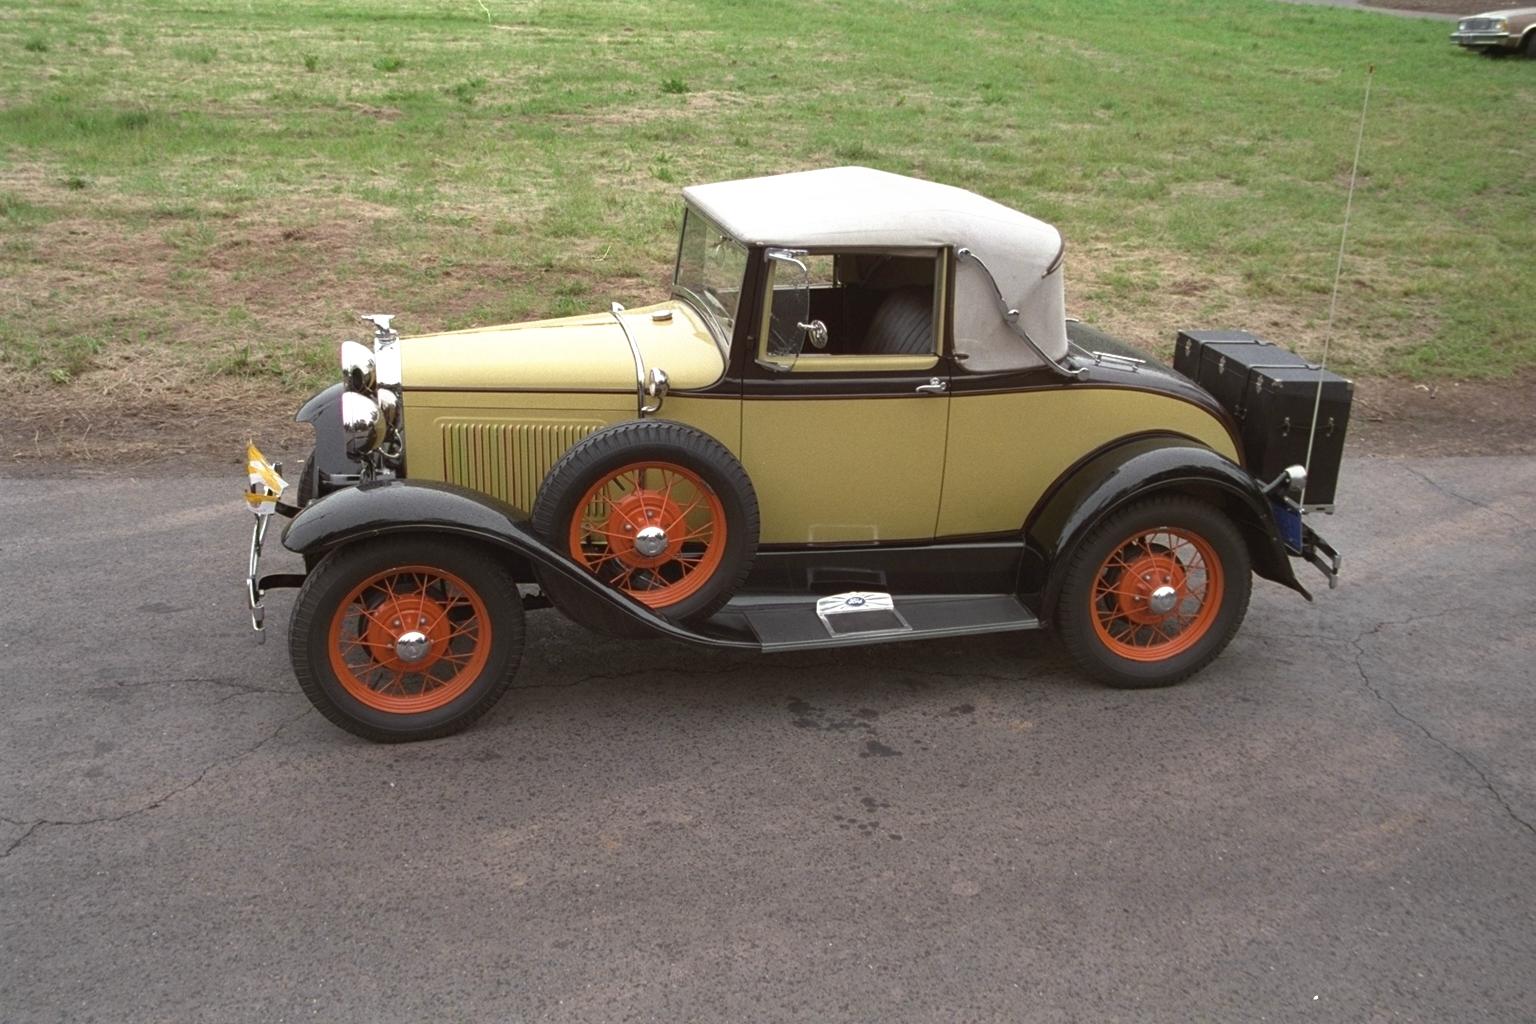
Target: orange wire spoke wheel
x=654, y=530
x=1157, y=594
x=409, y=639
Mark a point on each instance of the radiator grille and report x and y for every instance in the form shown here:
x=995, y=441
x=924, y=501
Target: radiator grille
x=507, y=460
x=1478, y=24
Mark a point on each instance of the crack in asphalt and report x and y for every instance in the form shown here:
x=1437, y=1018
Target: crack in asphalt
x=1452, y=493
x=1365, y=677
x=1358, y=643
x=32, y=826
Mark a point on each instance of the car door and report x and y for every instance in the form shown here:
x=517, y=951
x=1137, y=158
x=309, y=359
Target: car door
x=843, y=434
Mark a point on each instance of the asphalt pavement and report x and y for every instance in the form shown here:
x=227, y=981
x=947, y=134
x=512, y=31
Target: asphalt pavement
x=1335, y=822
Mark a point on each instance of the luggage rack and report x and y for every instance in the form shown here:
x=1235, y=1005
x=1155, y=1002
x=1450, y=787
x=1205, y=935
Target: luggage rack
x=1288, y=410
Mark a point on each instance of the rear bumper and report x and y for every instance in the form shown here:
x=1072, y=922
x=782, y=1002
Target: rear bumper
x=1321, y=554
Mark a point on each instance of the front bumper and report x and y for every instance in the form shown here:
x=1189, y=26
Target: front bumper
x=1485, y=40
x=263, y=497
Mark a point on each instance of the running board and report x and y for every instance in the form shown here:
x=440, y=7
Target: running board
x=798, y=623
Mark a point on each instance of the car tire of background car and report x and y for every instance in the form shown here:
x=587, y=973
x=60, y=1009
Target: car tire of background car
x=661, y=511
x=1154, y=593
x=407, y=637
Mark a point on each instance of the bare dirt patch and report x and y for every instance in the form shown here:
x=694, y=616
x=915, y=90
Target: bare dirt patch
x=164, y=425
x=1402, y=418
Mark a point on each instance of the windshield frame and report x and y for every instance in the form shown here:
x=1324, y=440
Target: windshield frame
x=709, y=307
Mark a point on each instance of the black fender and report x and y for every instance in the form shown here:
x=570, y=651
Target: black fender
x=323, y=412
x=386, y=507
x=1136, y=469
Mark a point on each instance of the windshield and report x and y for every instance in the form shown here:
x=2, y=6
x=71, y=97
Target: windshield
x=710, y=267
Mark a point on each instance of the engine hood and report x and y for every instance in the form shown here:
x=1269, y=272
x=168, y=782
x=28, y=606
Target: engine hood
x=581, y=353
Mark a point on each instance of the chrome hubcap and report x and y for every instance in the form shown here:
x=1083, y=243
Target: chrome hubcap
x=1163, y=599
x=412, y=646
x=651, y=541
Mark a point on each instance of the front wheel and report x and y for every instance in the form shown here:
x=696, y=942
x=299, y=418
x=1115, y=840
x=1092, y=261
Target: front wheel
x=1154, y=593
x=406, y=638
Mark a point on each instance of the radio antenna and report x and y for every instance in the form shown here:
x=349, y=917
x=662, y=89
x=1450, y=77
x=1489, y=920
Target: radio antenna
x=1338, y=270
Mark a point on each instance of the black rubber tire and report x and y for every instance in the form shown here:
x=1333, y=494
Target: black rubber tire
x=1074, y=608
x=665, y=441
x=343, y=569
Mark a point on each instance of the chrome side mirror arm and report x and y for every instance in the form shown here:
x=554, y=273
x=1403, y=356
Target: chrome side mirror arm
x=816, y=332
x=652, y=385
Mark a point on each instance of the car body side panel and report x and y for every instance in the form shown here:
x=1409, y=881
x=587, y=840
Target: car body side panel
x=1005, y=450
x=845, y=470
x=719, y=417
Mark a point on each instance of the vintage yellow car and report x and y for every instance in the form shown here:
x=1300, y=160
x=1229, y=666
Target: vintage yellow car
x=862, y=416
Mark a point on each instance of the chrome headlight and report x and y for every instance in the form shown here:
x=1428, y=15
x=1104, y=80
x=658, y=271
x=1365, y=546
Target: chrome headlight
x=362, y=423
x=389, y=407
x=357, y=368
x=370, y=400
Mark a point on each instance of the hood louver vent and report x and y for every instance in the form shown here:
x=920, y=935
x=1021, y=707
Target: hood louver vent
x=508, y=460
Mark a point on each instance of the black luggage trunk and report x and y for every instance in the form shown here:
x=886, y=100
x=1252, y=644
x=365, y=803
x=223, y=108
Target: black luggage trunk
x=1271, y=393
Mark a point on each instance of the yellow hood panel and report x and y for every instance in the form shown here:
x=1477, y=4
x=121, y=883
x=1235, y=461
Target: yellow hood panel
x=583, y=353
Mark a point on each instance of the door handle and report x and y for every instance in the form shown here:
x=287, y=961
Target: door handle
x=935, y=386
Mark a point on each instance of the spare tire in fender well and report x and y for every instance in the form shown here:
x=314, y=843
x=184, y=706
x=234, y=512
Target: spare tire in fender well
x=1133, y=469
x=702, y=503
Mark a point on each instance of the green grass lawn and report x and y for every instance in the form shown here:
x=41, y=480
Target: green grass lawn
x=210, y=190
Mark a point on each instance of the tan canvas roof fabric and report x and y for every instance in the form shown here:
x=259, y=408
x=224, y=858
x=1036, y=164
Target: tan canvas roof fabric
x=858, y=206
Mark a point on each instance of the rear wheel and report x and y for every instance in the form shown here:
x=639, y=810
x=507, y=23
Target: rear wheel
x=1154, y=593
x=406, y=638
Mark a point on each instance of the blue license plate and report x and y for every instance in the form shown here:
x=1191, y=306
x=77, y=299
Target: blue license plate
x=1288, y=519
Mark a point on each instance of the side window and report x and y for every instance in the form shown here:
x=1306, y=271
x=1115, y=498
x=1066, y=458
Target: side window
x=793, y=307
x=848, y=309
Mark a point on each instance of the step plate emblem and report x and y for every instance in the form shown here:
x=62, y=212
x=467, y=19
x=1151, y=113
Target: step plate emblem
x=864, y=613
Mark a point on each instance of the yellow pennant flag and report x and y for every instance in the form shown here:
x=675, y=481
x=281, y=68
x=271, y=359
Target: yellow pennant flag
x=266, y=486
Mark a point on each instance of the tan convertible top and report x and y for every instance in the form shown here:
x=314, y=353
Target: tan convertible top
x=858, y=206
